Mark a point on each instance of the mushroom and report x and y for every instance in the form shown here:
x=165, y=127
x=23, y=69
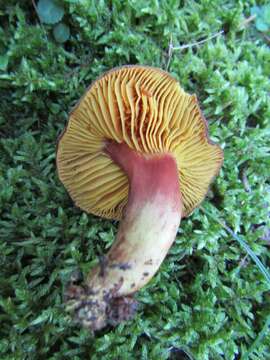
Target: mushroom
x=135, y=149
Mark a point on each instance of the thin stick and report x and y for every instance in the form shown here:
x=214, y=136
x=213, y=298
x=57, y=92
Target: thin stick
x=170, y=52
x=247, y=21
x=198, y=42
x=266, y=38
x=243, y=261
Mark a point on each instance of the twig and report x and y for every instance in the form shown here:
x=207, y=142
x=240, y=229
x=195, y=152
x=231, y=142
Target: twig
x=221, y=32
x=243, y=261
x=267, y=38
x=247, y=21
x=170, y=52
x=171, y=48
x=198, y=42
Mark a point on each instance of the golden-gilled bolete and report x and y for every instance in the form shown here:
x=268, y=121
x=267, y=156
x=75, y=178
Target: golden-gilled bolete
x=136, y=148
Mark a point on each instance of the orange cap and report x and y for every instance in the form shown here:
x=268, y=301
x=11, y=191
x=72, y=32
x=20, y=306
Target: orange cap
x=145, y=108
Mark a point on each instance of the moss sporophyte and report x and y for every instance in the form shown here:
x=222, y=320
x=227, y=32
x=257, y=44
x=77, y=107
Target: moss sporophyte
x=136, y=149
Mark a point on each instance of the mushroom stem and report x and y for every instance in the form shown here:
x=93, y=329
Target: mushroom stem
x=146, y=233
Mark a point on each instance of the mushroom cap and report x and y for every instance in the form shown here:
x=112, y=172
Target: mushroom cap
x=146, y=108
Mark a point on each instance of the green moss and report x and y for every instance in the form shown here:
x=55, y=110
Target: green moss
x=209, y=299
